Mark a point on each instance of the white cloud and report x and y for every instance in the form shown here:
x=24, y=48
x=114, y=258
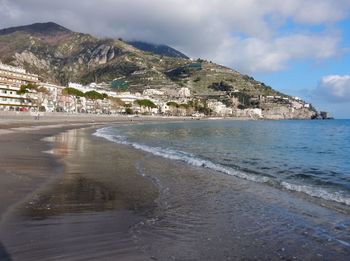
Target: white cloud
x=245, y=34
x=335, y=88
x=254, y=54
x=312, y=11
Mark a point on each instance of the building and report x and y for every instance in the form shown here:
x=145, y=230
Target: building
x=11, y=79
x=219, y=108
x=50, y=100
x=184, y=93
x=153, y=92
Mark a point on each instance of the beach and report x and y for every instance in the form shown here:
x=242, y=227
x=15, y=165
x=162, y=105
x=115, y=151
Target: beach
x=67, y=194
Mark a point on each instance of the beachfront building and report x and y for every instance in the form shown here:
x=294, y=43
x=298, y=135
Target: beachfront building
x=218, y=108
x=128, y=97
x=11, y=78
x=49, y=100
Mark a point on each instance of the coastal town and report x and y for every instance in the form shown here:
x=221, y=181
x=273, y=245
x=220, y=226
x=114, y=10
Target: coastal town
x=23, y=91
x=174, y=130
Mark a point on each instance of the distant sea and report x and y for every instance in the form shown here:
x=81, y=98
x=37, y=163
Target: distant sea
x=311, y=157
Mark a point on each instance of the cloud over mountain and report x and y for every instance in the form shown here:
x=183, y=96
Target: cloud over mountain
x=250, y=35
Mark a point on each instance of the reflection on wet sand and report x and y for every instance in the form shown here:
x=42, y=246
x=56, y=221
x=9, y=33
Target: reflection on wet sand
x=88, y=210
x=75, y=195
x=91, y=181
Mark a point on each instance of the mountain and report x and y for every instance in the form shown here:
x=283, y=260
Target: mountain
x=160, y=49
x=38, y=28
x=60, y=55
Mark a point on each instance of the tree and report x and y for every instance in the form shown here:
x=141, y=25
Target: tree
x=26, y=88
x=42, y=95
x=116, y=103
x=146, y=103
x=73, y=92
x=173, y=107
x=129, y=111
x=69, y=91
x=94, y=95
x=244, y=99
x=221, y=86
x=35, y=93
x=172, y=104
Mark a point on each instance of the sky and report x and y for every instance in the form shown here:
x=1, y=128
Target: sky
x=300, y=47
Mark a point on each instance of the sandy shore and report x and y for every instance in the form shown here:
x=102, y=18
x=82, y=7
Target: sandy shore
x=21, y=154
x=28, y=166
x=90, y=199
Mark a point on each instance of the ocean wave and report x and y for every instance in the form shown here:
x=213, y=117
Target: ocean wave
x=179, y=155
x=199, y=162
x=317, y=192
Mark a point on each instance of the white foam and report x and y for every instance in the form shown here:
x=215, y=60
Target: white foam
x=196, y=161
x=317, y=192
x=179, y=155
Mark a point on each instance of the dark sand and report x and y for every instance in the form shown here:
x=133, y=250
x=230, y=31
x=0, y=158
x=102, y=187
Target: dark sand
x=95, y=200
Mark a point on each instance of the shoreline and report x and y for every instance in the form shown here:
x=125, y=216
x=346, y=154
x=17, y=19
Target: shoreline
x=254, y=205
x=23, y=117
x=320, y=197
x=237, y=217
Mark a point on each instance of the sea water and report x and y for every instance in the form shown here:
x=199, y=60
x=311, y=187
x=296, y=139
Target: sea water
x=311, y=157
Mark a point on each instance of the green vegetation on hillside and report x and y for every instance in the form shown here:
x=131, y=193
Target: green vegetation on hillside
x=146, y=103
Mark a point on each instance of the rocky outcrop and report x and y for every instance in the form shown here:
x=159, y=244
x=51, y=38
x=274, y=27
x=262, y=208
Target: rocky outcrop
x=28, y=58
x=102, y=54
x=285, y=112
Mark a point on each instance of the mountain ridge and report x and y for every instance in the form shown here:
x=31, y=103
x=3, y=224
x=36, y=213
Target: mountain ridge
x=60, y=55
x=40, y=28
x=160, y=49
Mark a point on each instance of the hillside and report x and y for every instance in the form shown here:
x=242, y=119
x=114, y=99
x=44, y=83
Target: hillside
x=160, y=49
x=60, y=56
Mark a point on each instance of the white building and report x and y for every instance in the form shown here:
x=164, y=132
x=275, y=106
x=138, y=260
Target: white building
x=152, y=92
x=128, y=97
x=74, y=85
x=11, y=78
x=184, y=92
x=219, y=108
x=50, y=100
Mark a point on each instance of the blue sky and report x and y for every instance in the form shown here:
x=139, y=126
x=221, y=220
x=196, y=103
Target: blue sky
x=301, y=47
x=303, y=77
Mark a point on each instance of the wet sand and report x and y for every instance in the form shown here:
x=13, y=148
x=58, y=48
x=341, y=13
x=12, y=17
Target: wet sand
x=85, y=211
x=90, y=199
